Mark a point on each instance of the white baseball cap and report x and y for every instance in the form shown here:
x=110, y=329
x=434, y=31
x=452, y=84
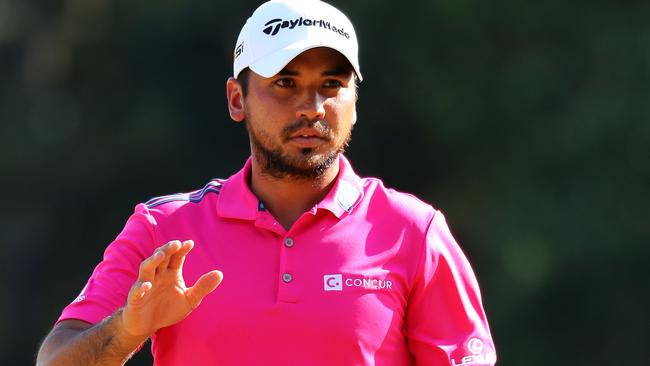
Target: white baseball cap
x=280, y=30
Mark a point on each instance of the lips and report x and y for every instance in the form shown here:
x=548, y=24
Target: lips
x=307, y=137
x=306, y=133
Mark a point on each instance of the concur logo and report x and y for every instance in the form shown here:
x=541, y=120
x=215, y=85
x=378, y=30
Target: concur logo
x=336, y=282
x=333, y=282
x=272, y=27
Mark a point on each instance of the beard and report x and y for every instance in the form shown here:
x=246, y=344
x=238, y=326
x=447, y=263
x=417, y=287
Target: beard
x=308, y=165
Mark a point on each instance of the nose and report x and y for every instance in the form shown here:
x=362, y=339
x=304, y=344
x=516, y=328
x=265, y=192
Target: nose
x=311, y=106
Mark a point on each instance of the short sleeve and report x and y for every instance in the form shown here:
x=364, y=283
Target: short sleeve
x=108, y=286
x=445, y=320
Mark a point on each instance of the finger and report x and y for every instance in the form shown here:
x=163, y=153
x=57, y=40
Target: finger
x=177, y=260
x=203, y=286
x=168, y=250
x=138, y=293
x=148, y=266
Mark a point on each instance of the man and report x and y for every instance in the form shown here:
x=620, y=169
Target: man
x=319, y=266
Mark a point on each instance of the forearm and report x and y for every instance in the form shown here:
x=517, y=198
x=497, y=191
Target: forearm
x=157, y=299
x=103, y=344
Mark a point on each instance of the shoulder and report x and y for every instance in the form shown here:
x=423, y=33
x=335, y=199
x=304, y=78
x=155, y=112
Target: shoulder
x=168, y=204
x=396, y=205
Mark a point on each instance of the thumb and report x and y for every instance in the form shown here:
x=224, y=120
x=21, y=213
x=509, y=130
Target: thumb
x=203, y=286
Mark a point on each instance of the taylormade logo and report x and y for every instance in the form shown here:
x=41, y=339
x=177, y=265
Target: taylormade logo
x=272, y=27
x=239, y=50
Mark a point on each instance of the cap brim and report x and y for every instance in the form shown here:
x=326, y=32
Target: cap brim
x=270, y=65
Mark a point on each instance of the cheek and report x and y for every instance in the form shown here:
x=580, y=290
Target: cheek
x=265, y=115
x=341, y=112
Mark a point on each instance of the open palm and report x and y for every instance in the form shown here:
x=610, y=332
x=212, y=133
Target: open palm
x=159, y=297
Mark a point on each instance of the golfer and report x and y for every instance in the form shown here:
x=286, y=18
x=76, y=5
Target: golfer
x=294, y=259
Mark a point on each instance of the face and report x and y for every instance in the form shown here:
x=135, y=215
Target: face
x=300, y=119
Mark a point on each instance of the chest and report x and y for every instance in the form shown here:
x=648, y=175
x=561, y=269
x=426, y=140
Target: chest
x=346, y=288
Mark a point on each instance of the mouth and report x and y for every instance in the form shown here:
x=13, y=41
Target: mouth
x=307, y=138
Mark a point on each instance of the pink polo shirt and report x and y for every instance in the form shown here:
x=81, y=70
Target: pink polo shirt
x=368, y=276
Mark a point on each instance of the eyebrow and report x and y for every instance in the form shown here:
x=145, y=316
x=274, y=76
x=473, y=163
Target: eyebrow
x=287, y=72
x=337, y=71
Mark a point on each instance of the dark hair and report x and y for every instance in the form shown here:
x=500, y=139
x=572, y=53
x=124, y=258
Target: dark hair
x=243, y=80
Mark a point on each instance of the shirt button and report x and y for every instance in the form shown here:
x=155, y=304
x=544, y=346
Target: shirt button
x=288, y=242
x=287, y=277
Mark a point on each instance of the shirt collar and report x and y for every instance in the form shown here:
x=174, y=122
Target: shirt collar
x=236, y=200
x=346, y=192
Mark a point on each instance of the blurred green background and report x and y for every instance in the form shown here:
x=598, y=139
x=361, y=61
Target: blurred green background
x=527, y=123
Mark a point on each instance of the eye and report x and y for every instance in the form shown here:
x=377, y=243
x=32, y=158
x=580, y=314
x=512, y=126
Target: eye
x=285, y=83
x=332, y=83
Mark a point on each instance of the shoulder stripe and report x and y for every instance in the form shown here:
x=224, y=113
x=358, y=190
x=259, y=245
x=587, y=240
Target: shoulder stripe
x=166, y=199
x=213, y=186
x=172, y=197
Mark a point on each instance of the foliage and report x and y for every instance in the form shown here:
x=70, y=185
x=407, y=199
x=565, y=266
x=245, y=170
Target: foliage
x=527, y=123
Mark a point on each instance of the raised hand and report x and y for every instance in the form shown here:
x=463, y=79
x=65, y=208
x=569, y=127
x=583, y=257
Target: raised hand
x=159, y=297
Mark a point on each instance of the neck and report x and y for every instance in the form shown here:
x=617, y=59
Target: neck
x=287, y=198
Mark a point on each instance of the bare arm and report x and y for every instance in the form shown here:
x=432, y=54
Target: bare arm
x=75, y=342
x=158, y=298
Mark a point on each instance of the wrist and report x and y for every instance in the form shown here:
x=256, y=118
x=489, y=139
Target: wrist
x=122, y=334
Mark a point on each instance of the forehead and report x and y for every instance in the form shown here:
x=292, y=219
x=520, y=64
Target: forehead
x=321, y=58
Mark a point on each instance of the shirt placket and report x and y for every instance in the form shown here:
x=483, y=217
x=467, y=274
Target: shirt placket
x=289, y=280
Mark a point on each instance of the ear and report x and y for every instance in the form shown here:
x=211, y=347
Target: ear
x=235, y=96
